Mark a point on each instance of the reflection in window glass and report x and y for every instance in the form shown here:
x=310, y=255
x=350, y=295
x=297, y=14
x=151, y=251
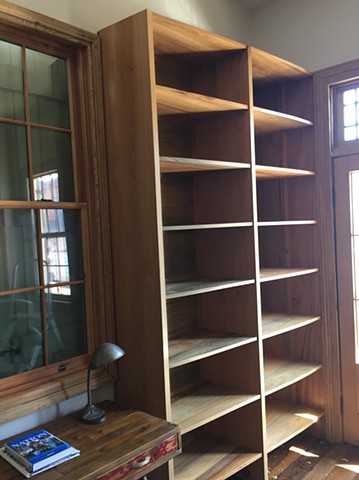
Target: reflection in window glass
x=21, y=340
x=19, y=267
x=51, y=152
x=14, y=177
x=61, y=244
x=66, y=324
x=48, y=96
x=11, y=82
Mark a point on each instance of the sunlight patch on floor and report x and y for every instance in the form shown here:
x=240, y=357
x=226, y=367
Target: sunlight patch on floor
x=300, y=451
x=351, y=468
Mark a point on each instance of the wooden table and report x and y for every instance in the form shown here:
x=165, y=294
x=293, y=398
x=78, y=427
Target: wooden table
x=129, y=445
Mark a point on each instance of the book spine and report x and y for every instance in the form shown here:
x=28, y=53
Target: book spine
x=18, y=458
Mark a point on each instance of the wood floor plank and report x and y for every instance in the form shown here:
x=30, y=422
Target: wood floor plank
x=313, y=459
x=283, y=458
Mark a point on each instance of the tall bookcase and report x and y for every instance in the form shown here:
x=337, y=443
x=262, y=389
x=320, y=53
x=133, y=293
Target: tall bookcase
x=214, y=241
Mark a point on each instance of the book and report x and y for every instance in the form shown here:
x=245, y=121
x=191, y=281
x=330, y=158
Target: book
x=72, y=453
x=38, y=450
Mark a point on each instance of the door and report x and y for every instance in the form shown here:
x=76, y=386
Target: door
x=346, y=185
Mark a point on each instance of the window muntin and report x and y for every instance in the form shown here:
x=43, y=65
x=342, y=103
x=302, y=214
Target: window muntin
x=42, y=280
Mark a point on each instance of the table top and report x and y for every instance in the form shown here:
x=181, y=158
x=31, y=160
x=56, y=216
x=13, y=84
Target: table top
x=124, y=437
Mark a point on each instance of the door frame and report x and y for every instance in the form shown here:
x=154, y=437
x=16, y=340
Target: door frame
x=323, y=81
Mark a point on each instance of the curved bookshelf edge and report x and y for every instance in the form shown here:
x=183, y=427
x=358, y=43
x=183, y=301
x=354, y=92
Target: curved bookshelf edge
x=203, y=344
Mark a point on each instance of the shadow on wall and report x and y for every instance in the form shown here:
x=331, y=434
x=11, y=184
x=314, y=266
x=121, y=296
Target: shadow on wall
x=226, y=17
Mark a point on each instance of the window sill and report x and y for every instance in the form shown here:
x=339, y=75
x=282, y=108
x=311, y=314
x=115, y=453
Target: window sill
x=50, y=393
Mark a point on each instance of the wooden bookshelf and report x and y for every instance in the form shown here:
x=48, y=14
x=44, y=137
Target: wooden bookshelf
x=178, y=164
x=217, y=229
x=212, y=457
x=286, y=421
x=274, y=324
x=202, y=344
x=208, y=403
x=279, y=373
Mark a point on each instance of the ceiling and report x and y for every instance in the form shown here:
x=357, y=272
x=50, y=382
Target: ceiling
x=253, y=4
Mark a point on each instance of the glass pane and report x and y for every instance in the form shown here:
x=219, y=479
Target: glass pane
x=18, y=256
x=349, y=96
x=355, y=260
x=354, y=202
x=51, y=154
x=11, y=82
x=66, y=324
x=349, y=115
x=21, y=341
x=48, y=96
x=356, y=324
x=62, y=247
x=14, y=178
x=350, y=133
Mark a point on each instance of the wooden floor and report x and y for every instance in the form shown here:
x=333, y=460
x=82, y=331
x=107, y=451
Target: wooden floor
x=307, y=458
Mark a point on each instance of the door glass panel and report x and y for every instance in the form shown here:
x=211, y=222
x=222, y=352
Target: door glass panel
x=66, y=324
x=48, y=96
x=354, y=228
x=18, y=255
x=21, y=340
x=51, y=153
x=14, y=178
x=11, y=82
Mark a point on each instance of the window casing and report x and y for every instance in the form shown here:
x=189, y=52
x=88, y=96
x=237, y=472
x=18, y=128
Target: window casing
x=54, y=279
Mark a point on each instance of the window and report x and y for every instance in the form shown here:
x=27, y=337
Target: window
x=55, y=297
x=42, y=229
x=346, y=114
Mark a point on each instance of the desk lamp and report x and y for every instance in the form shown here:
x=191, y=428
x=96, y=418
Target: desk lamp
x=102, y=355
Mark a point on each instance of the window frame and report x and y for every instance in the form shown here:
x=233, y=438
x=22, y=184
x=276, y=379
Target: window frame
x=338, y=142
x=49, y=385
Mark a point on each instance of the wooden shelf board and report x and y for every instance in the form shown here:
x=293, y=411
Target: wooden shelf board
x=266, y=172
x=268, y=68
x=171, y=101
x=202, y=344
x=267, y=121
x=212, y=458
x=184, y=289
x=277, y=323
x=271, y=274
x=206, y=226
x=181, y=164
x=286, y=421
x=206, y=404
x=173, y=37
x=286, y=223
x=279, y=373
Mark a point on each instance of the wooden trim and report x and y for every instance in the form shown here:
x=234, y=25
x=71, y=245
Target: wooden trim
x=323, y=79
x=33, y=22
x=50, y=35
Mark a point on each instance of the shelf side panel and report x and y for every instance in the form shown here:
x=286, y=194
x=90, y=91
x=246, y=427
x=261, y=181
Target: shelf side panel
x=133, y=172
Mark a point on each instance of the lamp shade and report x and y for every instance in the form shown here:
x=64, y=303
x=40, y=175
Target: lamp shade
x=104, y=354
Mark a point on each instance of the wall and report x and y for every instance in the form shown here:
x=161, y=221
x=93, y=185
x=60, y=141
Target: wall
x=225, y=17
x=312, y=33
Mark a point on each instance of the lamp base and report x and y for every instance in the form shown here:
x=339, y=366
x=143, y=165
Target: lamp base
x=93, y=414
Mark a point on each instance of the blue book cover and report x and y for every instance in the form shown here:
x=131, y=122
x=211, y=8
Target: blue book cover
x=35, y=447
